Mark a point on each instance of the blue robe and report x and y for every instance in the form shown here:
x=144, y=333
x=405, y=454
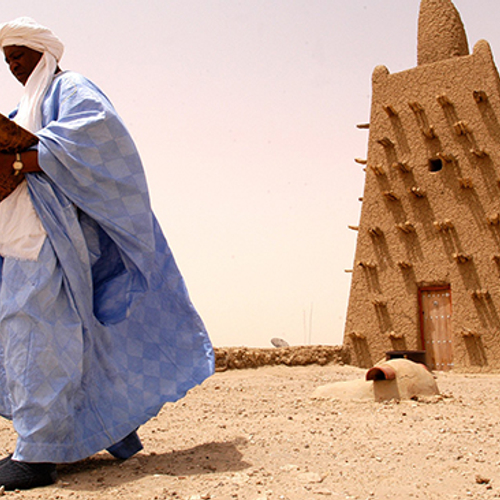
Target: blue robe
x=99, y=333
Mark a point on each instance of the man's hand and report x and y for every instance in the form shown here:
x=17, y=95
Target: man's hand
x=28, y=158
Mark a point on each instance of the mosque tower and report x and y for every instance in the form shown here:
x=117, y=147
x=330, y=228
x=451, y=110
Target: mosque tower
x=426, y=274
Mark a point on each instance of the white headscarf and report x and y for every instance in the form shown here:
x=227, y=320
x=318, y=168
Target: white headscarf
x=26, y=32
x=21, y=232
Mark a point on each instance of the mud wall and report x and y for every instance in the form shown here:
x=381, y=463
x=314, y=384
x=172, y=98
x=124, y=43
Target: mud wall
x=231, y=358
x=431, y=211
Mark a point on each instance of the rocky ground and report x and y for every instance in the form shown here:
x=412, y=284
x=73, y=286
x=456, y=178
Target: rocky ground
x=255, y=434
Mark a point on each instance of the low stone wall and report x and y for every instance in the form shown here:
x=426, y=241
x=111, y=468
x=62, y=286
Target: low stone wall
x=231, y=358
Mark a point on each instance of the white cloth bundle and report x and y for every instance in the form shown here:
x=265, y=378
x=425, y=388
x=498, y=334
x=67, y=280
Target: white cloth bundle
x=21, y=231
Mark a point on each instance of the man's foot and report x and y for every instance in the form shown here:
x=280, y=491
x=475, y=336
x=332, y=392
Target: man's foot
x=16, y=475
x=127, y=447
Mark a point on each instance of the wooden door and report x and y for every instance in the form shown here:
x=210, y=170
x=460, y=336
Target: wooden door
x=435, y=324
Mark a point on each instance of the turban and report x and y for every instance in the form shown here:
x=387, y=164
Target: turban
x=26, y=32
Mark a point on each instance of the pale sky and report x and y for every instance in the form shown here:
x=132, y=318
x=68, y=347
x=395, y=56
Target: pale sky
x=245, y=115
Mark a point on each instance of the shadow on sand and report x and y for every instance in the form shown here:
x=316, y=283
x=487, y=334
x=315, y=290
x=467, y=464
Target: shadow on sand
x=103, y=471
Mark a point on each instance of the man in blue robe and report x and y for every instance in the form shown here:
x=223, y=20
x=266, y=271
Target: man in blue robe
x=97, y=331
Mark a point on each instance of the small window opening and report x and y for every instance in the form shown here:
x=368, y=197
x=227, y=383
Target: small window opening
x=435, y=165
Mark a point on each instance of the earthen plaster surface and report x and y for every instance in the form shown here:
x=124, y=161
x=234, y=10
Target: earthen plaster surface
x=422, y=228
x=441, y=33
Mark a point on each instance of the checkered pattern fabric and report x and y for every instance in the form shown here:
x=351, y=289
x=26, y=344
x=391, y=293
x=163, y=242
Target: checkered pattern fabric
x=99, y=333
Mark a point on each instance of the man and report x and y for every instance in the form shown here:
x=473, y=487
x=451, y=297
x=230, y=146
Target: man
x=97, y=331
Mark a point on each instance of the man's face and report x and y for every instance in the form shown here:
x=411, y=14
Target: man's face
x=22, y=61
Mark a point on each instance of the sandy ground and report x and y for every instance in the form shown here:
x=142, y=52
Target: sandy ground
x=256, y=434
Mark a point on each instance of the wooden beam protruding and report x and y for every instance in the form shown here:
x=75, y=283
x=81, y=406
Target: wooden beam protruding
x=391, y=195
x=377, y=169
x=465, y=182
x=402, y=167
x=416, y=107
x=468, y=333
x=482, y=294
x=357, y=336
x=418, y=192
x=480, y=96
x=444, y=100
x=446, y=157
x=444, y=225
x=395, y=335
x=423, y=123
x=493, y=219
x=480, y=153
x=391, y=112
x=403, y=264
x=375, y=231
x=367, y=264
x=462, y=128
x=386, y=142
x=406, y=227
x=429, y=132
x=462, y=258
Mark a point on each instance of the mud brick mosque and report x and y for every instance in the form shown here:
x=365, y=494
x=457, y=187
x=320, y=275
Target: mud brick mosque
x=426, y=274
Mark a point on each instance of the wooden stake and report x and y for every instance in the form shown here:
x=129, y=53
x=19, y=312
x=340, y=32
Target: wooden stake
x=445, y=225
x=377, y=169
x=367, y=264
x=375, y=231
x=418, y=192
x=493, y=219
x=361, y=161
x=480, y=96
x=406, y=227
x=402, y=167
x=404, y=264
x=443, y=100
x=391, y=112
x=391, y=195
x=357, y=336
x=465, y=182
x=461, y=128
x=386, y=142
x=462, y=258
x=480, y=153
